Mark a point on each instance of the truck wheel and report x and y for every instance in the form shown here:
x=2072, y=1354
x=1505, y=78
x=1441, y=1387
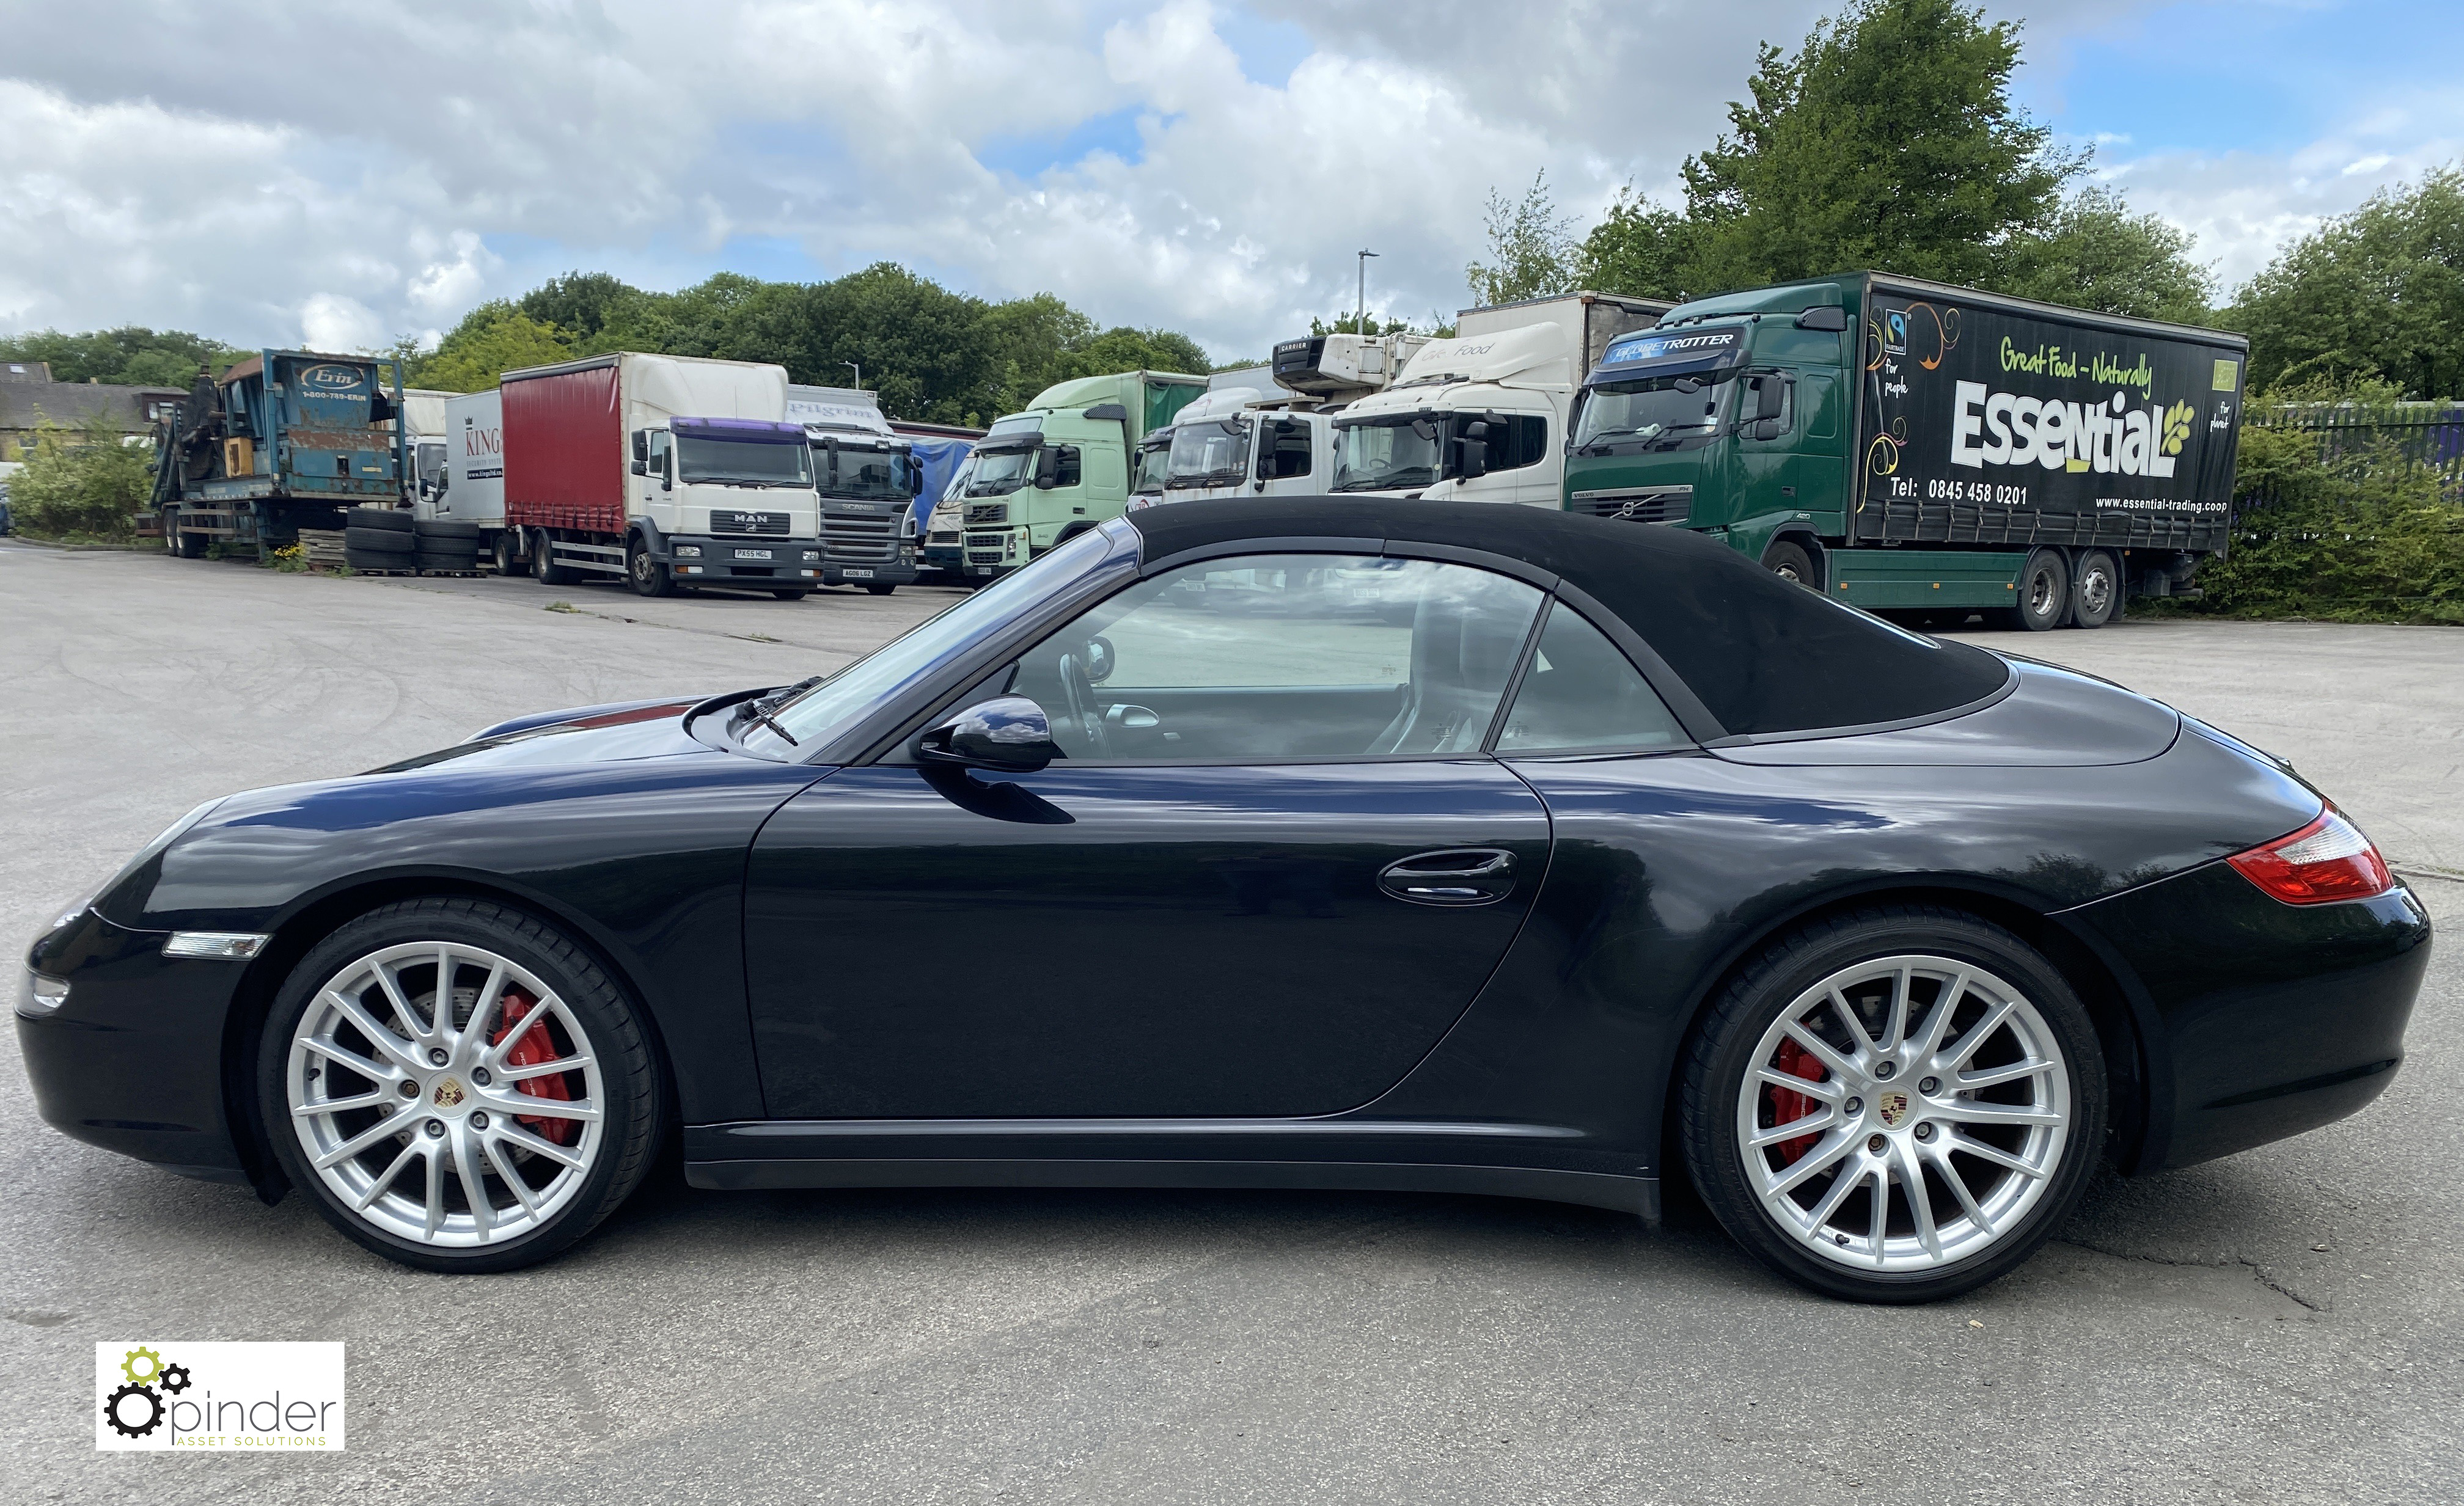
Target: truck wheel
x=508, y=560
x=2095, y=591
x=1791, y=562
x=649, y=578
x=544, y=566
x=2044, y=594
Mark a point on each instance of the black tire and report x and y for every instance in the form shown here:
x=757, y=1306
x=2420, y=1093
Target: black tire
x=881, y=590
x=791, y=593
x=544, y=566
x=448, y=564
x=393, y=520
x=508, y=553
x=2044, y=594
x=646, y=576
x=2096, y=589
x=446, y=529
x=379, y=541
x=1780, y=979
x=367, y=561
x=1788, y=561
x=178, y=545
x=632, y=1111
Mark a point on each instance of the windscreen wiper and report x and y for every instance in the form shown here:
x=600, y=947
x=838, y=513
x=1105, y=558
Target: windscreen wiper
x=758, y=710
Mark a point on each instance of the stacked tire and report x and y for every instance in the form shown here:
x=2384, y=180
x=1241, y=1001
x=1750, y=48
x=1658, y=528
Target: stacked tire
x=380, y=539
x=445, y=548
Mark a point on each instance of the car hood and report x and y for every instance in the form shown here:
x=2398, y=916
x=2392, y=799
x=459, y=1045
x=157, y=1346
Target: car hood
x=582, y=735
x=2049, y=718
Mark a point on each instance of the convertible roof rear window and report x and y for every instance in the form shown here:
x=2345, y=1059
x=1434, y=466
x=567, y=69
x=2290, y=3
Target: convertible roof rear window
x=1766, y=657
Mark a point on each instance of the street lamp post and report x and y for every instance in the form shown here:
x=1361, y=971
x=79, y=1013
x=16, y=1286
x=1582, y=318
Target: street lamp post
x=1363, y=263
x=859, y=373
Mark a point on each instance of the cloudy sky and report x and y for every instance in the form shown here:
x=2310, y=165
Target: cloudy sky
x=340, y=175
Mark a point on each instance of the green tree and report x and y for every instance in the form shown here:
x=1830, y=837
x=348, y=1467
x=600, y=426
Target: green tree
x=1352, y=324
x=131, y=355
x=1641, y=249
x=1531, y=251
x=1887, y=141
x=81, y=482
x=2379, y=291
x=492, y=339
x=2094, y=253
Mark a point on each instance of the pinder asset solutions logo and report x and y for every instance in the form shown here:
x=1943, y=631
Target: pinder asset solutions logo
x=264, y=1397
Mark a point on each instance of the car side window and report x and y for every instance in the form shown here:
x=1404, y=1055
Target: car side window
x=1582, y=693
x=1265, y=658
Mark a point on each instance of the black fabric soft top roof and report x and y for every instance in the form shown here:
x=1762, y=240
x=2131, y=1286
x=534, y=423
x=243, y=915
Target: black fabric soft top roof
x=1764, y=655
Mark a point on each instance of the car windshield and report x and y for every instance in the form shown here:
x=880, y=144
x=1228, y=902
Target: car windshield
x=1653, y=407
x=864, y=475
x=813, y=716
x=1155, y=463
x=738, y=462
x=1387, y=456
x=1209, y=454
x=998, y=473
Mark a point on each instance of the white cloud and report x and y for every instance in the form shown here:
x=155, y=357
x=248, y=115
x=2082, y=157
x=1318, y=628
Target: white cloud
x=214, y=170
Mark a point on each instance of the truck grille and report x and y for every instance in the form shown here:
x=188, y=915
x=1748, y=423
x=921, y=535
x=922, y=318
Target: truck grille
x=1638, y=504
x=732, y=522
x=984, y=549
x=859, y=537
x=982, y=515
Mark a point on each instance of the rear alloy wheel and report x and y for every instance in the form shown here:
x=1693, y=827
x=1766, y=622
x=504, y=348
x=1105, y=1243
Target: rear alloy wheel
x=458, y=1086
x=1895, y=1108
x=649, y=577
x=2095, y=590
x=1791, y=562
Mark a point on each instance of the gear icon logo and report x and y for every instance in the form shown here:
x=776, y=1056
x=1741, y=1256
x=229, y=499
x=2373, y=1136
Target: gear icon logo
x=129, y=1402
x=143, y=1366
x=175, y=1378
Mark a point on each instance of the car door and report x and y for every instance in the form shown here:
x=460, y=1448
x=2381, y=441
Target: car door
x=1272, y=868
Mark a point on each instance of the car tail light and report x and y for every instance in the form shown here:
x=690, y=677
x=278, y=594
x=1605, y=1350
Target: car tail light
x=2326, y=861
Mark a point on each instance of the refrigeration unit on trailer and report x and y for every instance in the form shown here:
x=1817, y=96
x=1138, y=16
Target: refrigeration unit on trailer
x=282, y=440
x=1482, y=417
x=663, y=471
x=1910, y=445
x=867, y=476
x=1342, y=368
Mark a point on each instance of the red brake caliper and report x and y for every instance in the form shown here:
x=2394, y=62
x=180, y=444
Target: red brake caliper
x=1788, y=1108
x=530, y=1051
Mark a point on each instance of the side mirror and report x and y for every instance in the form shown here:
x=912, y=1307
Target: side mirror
x=1770, y=399
x=1099, y=660
x=640, y=449
x=1475, y=451
x=1011, y=734
x=1047, y=468
x=1828, y=319
x=641, y=467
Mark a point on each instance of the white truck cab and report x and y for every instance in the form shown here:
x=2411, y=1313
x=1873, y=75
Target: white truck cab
x=1236, y=441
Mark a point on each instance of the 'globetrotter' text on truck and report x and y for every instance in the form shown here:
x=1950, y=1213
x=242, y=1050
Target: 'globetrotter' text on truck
x=1901, y=444
x=663, y=471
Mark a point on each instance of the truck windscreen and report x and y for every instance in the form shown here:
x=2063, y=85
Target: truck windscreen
x=868, y=475
x=1649, y=409
x=1213, y=454
x=738, y=463
x=1382, y=457
x=998, y=472
x=1155, y=463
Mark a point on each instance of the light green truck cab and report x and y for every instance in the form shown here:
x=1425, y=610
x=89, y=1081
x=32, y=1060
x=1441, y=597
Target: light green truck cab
x=1906, y=445
x=1060, y=467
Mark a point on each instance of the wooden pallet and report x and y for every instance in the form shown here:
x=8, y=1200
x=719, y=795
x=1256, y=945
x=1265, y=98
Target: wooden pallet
x=324, y=546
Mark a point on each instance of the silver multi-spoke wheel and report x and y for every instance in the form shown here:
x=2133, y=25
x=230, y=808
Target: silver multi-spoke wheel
x=1904, y=1114
x=445, y=1094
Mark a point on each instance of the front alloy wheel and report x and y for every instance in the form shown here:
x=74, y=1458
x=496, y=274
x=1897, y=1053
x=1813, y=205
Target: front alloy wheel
x=461, y=1090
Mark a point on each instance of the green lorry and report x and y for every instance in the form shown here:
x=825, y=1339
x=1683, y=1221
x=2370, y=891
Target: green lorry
x=1059, y=467
x=1914, y=447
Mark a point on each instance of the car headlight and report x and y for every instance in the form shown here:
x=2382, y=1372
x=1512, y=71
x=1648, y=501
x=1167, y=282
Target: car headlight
x=38, y=995
x=688, y=550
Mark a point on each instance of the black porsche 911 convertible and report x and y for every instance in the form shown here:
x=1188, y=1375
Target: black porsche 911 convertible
x=1296, y=843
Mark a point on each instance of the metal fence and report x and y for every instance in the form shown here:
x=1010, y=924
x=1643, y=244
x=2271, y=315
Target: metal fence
x=2426, y=434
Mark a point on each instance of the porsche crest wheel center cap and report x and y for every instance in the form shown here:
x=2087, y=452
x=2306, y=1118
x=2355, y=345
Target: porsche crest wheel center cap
x=450, y=1094
x=1892, y=1108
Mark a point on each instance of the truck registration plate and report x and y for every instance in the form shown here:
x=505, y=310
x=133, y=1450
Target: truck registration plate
x=753, y=554
x=857, y=574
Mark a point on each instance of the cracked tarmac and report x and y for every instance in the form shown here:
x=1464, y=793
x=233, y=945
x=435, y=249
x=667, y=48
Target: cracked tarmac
x=2280, y=1326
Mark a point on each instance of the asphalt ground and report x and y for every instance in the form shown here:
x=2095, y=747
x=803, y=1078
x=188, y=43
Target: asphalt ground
x=2281, y=1325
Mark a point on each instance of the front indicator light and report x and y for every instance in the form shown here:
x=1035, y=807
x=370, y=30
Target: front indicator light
x=213, y=945
x=2326, y=861
x=38, y=995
